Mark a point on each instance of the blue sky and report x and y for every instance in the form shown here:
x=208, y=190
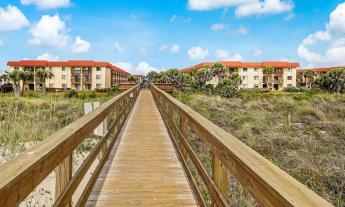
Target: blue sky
x=145, y=35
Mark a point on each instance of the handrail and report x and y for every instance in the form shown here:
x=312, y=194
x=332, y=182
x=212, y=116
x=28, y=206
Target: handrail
x=268, y=184
x=21, y=175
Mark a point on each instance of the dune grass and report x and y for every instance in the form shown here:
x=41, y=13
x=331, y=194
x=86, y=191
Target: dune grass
x=303, y=134
x=29, y=119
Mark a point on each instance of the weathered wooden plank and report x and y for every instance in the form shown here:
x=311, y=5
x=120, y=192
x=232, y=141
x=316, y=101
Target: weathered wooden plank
x=145, y=170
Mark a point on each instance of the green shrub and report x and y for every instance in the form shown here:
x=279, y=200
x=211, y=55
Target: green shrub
x=71, y=94
x=227, y=88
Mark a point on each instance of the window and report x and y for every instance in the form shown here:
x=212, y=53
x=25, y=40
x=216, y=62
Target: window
x=245, y=70
x=289, y=85
x=289, y=77
x=244, y=77
x=98, y=86
x=50, y=69
x=63, y=69
x=64, y=77
x=256, y=77
x=51, y=85
x=289, y=69
x=98, y=77
x=244, y=86
x=276, y=78
x=98, y=69
x=16, y=68
x=64, y=86
x=256, y=85
x=256, y=70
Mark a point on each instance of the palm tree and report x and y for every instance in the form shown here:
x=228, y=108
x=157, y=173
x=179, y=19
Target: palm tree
x=269, y=71
x=42, y=75
x=309, y=76
x=15, y=78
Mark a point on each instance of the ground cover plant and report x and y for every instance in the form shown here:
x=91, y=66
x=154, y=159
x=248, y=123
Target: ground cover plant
x=302, y=133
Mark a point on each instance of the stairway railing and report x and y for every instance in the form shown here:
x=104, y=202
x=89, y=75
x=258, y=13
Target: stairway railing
x=20, y=176
x=268, y=184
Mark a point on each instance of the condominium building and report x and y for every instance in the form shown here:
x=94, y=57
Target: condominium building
x=72, y=74
x=254, y=75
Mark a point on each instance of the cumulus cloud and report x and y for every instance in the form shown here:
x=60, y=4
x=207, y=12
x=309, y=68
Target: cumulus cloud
x=80, y=45
x=217, y=27
x=333, y=36
x=173, y=49
x=47, y=56
x=244, y=7
x=196, y=53
x=142, y=68
x=225, y=55
x=11, y=18
x=49, y=31
x=47, y=4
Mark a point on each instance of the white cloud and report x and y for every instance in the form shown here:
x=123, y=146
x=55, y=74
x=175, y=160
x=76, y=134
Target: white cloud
x=49, y=31
x=11, y=18
x=173, y=49
x=243, y=30
x=142, y=68
x=333, y=37
x=126, y=66
x=257, y=52
x=47, y=56
x=198, y=52
x=289, y=16
x=80, y=45
x=217, y=27
x=226, y=55
x=47, y=4
x=244, y=7
x=120, y=48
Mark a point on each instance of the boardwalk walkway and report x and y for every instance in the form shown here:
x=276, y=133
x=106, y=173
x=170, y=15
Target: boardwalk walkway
x=144, y=169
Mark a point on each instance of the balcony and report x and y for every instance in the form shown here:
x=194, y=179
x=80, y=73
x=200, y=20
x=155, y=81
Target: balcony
x=76, y=71
x=87, y=80
x=75, y=79
x=87, y=72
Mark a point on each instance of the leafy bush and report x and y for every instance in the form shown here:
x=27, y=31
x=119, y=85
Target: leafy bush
x=333, y=81
x=227, y=88
x=71, y=94
x=255, y=90
x=6, y=87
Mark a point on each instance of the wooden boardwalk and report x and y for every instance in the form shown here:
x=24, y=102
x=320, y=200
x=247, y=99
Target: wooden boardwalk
x=143, y=170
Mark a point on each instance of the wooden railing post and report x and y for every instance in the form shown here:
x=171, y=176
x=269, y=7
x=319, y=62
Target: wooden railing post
x=220, y=177
x=63, y=176
x=184, y=132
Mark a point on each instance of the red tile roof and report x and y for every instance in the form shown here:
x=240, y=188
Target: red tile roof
x=239, y=64
x=69, y=63
x=320, y=69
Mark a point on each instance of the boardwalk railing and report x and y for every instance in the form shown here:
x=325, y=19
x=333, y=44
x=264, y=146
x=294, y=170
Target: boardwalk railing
x=268, y=184
x=20, y=176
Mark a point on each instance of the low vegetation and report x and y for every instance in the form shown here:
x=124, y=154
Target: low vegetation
x=302, y=133
x=29, y=119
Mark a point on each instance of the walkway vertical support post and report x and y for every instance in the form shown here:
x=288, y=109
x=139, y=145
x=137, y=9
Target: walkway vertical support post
x=220, y=177
x=63, y=177
x=184, y=131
